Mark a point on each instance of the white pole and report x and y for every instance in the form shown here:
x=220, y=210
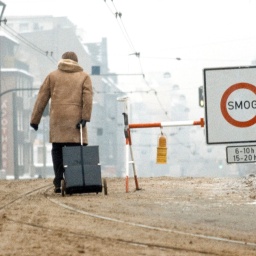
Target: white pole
x=126, y=132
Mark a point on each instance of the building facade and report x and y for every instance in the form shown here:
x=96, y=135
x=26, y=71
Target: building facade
x=38, y=44
x=16, y=89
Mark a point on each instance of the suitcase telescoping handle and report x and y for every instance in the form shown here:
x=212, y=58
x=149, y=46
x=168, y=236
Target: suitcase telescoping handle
x=82, y=155
x=81, y=134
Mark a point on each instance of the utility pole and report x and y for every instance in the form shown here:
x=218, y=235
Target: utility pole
x=2, y=8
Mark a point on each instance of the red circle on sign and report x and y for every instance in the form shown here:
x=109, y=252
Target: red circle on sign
x=223, y=104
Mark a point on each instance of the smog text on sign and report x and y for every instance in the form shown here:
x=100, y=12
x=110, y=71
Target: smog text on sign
x=244, y=118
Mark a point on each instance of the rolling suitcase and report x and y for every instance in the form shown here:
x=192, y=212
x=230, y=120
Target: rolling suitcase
x=82, y=170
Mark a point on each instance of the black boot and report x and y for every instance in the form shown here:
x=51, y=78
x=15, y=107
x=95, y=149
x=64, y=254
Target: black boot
x=57, y=190
x=57, y=164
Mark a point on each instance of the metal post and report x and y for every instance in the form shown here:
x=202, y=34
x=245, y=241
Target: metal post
x=2, y=5
x=127, y=142
x=128, y=147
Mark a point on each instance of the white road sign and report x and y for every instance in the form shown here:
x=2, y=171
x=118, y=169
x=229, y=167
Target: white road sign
x=230, y=104
x=241, y=154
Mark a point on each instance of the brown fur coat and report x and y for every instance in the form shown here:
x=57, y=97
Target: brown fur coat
x=70, y=91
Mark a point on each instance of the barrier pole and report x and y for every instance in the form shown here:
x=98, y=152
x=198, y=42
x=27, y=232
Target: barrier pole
x=167, y=124
x=128, y=147
x=133, y=163
x=127, y=165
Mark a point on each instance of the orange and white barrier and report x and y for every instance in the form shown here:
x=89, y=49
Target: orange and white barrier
x=128, y=146
x=167, y=124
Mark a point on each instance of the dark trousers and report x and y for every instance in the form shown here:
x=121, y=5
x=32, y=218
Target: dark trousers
x=57, y=160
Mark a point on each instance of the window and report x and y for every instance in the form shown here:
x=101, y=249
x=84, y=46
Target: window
x=24, y=27
x=42, y=153
x=20, y=155
x=19, y=86
x=38, y=155
x=36, y=26
x=95, y=70
x=99, y=131
x=19, y=120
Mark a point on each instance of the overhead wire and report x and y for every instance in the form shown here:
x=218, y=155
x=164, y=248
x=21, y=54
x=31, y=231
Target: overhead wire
x=127, y=92
x=118, y=16
x=25, y=41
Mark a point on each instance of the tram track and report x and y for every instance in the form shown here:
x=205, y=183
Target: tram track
x=220, y=239
x=136, y=242
x=82, y=235
x=79, y=234
x=119, y=240
x=22, y=196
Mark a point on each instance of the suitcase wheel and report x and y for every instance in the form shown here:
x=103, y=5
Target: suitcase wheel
x=63, y=187
x=105, y=187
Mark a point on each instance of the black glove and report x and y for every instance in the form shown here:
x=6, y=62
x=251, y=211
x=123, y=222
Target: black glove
x=82, y=122
x=34, y=126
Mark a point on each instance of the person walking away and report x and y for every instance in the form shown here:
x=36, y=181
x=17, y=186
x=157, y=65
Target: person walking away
x=69, y=90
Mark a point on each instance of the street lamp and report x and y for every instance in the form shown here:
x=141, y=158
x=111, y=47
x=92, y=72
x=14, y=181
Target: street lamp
x=2, y=8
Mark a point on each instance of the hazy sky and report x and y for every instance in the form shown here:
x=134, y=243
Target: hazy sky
x=203, y=33
x=198, y=30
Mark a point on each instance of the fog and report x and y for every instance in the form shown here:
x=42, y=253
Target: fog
x=158, y=50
